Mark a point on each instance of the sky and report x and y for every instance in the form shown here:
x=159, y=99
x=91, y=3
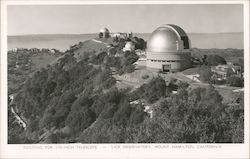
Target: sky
x=139, y=18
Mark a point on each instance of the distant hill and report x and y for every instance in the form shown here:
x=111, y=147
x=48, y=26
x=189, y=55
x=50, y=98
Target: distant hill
x=58, y=41
x=64, y=41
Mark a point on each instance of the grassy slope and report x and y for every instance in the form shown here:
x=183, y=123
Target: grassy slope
x=16, y=76
x=41, y=61
x=89, y=46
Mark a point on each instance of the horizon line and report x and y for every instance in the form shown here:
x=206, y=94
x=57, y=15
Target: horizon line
x=121, y=32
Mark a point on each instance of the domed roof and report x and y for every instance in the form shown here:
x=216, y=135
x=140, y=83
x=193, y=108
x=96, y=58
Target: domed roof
x=130, y=46
x=168, y=38
x=104, y=30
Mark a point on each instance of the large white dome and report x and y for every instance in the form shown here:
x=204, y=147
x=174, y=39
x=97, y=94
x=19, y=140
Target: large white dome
x=168, y=38
x=168, y=49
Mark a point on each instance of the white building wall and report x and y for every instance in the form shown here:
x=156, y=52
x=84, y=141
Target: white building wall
x=178, y=60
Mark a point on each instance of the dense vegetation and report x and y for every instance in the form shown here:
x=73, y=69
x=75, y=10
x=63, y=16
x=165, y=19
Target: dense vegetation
x=205, y=73
x=22, y=63
x=214, y=60
x=235, y=81
x=78, y=102
x=205, y=59
x=230, y=55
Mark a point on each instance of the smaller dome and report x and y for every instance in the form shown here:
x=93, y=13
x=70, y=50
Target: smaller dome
x=130, y=46
x=104, y=30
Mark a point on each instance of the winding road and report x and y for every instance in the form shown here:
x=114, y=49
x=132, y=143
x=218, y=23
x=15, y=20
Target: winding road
x=19, y=119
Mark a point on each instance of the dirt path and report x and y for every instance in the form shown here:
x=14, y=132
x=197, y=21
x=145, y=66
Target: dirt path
x=20, y=121
x=18, y=118
x=97, y=41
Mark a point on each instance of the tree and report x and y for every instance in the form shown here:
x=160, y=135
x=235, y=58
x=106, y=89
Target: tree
x=205, y=73
x=136, y=117
x=204, y=60
x=130, y=58
x=235, y=81
x=122, y=115
x=155, y=89
x=99, y=58
x=101, y=77
x=128, y=68
x=127, y=61
x=113, y=61
x=214, y=60
x=109, y=82
x=241, y=63
x=139, y=43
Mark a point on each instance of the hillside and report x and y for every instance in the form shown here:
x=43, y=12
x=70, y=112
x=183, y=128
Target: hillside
x=88, y=46
x=77, y=99
x=24, y=63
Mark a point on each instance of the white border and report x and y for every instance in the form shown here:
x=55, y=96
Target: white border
x=108, y=150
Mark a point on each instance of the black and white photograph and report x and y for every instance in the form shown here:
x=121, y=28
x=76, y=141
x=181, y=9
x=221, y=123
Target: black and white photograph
x=113, y=73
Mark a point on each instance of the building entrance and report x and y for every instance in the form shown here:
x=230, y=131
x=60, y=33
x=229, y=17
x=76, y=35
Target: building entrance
x=166, y=68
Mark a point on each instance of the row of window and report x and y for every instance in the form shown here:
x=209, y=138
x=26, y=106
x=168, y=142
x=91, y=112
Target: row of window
x=165, y=60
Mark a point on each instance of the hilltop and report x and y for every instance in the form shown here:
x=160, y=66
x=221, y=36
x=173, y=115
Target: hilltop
x=81, y=98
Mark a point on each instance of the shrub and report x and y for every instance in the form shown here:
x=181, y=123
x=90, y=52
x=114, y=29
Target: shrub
x=129, y=68
x=108, y=112
x=172, y=85
x=214, y=60
x=205, y=73
x=155, y=89
x=235, y=81
x=109, y=82
x=98, y=59
x=136, y=117
x=139, y=43
x=130, y=58
x=80, y=116
x=54, y=138
x=121, y=116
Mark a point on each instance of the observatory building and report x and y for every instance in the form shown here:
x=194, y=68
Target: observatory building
x=130, y=46
x=168, y=49
x=104, y=33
